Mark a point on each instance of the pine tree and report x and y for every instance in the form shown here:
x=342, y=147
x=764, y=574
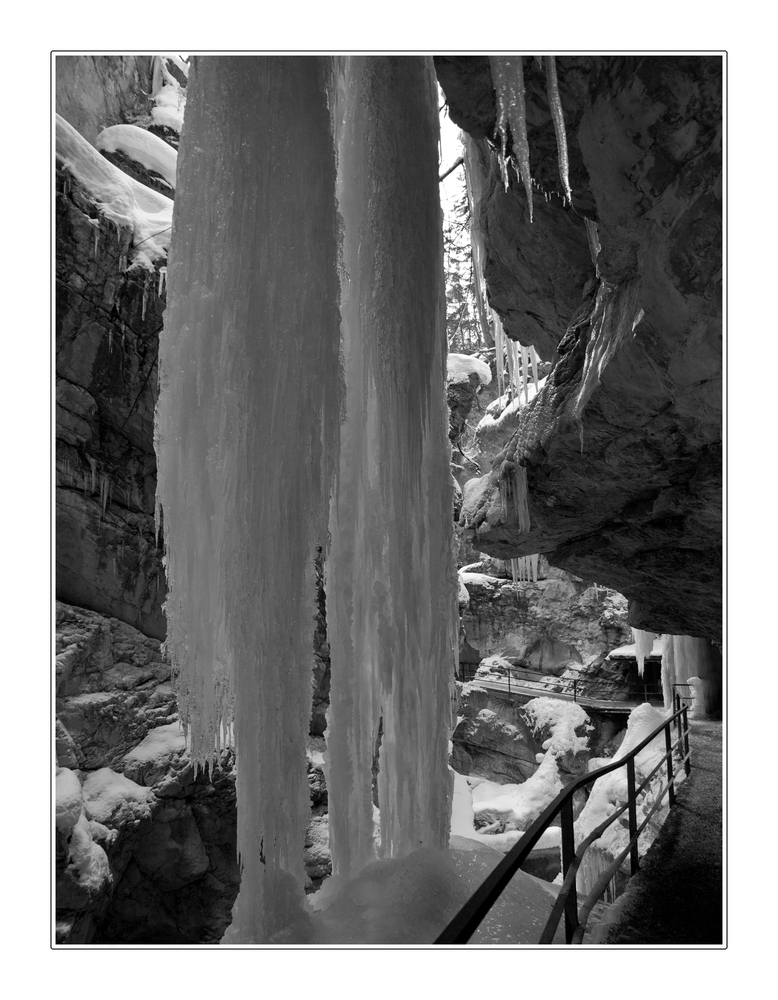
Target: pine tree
x=462, y=327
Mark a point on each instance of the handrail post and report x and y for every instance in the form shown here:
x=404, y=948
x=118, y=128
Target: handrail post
x=634, y=858
x=575, y=689
x=670, y=768
x=509, y=680
x=686, y=763
x=677, y=708
x=568, y=854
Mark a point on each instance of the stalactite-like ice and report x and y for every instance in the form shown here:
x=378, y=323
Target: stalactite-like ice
x=644, y=643
x=391, y=584
x=555, y=103
x=508, y=75
x=474, y=184
x=247, y=426
x=686, y=657
x=307, y=224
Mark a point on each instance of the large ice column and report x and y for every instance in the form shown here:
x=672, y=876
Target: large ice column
x=686, y=658
x=391, y=583
x=247, y=430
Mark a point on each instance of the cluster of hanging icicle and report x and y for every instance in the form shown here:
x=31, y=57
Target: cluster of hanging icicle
x=525, y=569
x=308, y=266
x=522, y=363
x=508, y=77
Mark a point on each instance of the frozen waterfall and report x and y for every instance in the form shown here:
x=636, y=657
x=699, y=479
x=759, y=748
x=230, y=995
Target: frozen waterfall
x=302, y=373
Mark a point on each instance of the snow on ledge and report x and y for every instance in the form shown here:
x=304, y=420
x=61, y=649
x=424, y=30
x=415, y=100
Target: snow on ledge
x=142, y=146
x=120, y=197
x=459, y=368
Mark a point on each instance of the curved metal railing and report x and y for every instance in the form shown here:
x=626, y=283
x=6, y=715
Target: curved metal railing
x=464, y=924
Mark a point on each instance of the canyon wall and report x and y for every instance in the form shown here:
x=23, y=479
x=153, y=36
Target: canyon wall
x=622, y=449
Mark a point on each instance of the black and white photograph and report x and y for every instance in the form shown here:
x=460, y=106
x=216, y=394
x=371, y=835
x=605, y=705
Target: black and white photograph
x=388, y=397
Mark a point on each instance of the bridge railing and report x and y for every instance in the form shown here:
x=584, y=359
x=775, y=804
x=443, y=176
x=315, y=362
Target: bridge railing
x=572, y=683
x=464, y=924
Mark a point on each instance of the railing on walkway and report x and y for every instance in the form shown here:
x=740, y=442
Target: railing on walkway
x=577, y=687
x=465, y=923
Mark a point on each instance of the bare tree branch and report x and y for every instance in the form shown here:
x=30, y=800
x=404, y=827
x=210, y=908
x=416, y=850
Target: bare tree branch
x=451, y=169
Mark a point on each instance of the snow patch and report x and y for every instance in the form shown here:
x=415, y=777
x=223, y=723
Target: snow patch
x=119, y=197
x=111, y=798
x=142, y=146
x=459, y=368
x=160, y=743
x=68, y=798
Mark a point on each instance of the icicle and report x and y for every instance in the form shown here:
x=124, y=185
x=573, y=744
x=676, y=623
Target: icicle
x=145, y=295
x=123, y=262
x=93, y=467
x=508, y=75
x=161, y=284
x=240, y=548
x=474, y=184
x=520, y=497
x=386, y=625
x=594, y=243
x=534, y=563
x=644, y=643
x=524, y=370
x=105, y=492
x=534, y=360
x=499, y=351
x=96, y=226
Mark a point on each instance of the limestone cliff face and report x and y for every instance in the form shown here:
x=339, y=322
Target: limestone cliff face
x=93, y=92
x=108, y=320
x=630, y=495
x=556, y=622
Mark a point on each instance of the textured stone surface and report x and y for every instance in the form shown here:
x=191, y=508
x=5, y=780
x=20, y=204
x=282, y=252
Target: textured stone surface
x=495, y=749
x=113, y=686
x=548, y=625
x=107, y=323
x=93, y=92
x=638, y=507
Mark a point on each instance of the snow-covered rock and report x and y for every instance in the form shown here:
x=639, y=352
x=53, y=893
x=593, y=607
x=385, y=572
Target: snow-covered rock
x=68, y=799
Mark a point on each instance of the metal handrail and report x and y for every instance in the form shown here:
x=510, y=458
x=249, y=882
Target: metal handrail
x=461, y=928
x=579, y=684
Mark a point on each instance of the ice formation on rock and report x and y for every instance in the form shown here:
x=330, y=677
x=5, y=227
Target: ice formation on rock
x=525, y=568
x=644, y=644
x=689, y=660
x=168, y=94
x=250, y=383
x=555, y=103
x=391, y=585
x=307, y=224
x=474, y=151
x=508, y=75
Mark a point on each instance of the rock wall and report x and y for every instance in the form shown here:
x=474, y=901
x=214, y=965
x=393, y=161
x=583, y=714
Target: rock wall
x=148, y=854
x=93, y=92
x=108, y=319
x=632, y=496
x=557, y=622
